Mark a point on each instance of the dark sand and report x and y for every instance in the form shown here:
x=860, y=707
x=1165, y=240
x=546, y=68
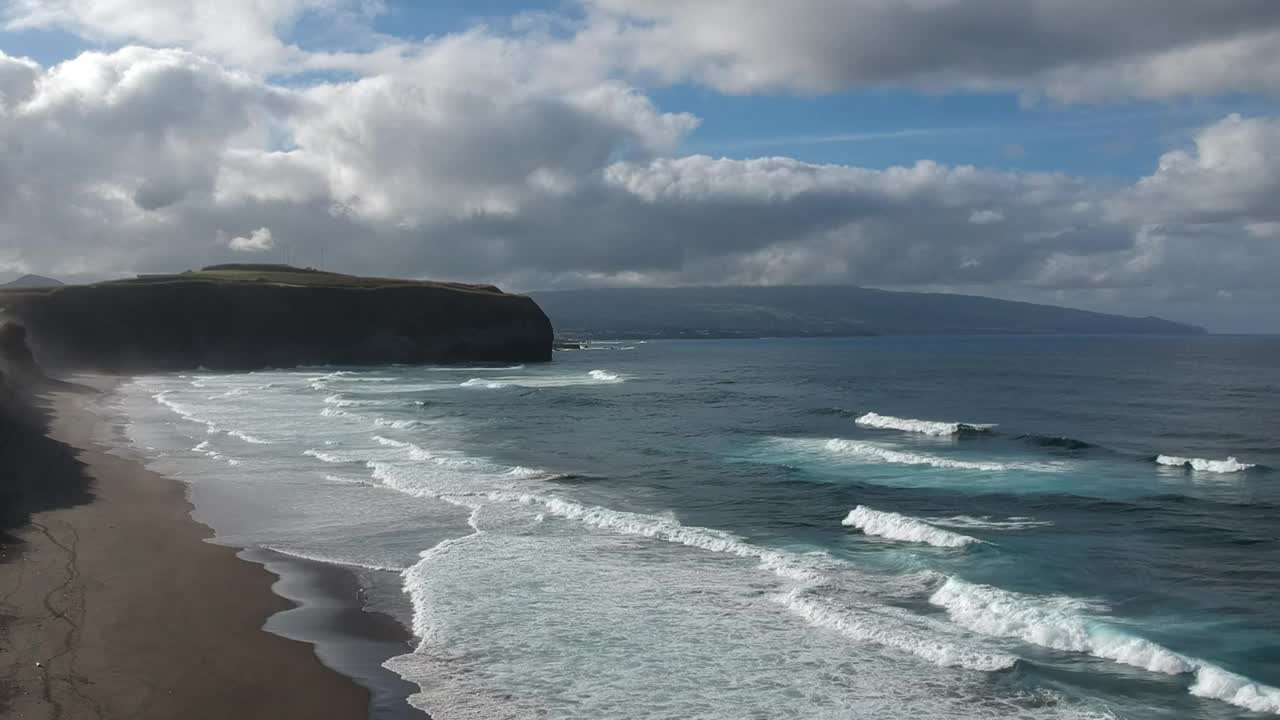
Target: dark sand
x=113, y=605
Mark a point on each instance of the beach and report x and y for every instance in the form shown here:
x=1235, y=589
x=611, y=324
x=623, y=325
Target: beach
x=114, y=605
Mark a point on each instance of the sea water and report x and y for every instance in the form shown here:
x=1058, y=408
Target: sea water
x=861, y=528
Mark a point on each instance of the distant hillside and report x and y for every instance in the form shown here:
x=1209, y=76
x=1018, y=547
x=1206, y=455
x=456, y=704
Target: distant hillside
x=793, y=311
x=253, y=316
x=27, y=282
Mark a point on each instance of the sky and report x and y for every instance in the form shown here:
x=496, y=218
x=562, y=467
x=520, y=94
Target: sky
x=1114, y=156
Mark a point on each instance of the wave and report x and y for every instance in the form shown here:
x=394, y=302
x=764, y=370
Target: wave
x=865, y=451
x=476, y=368
x=398, y=424
x=349, y=481
x=1056, y=441
x=900, y=527
x=836, y=411
x=182, y=410
x=987, y=523
x=604, y=376
x=1067, y=624
x=866, y=622
x=891, y=632
x=206, y=449
x=342, y=401
x=482, y=383
x=927, y=427
x=1230, y=465
x=327, y=560
x=327, y=457
x=241, y=435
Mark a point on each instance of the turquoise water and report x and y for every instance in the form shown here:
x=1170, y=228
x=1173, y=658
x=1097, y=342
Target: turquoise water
x=873, y=527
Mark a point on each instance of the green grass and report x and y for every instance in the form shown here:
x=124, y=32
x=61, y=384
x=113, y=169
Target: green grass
x=291, y=277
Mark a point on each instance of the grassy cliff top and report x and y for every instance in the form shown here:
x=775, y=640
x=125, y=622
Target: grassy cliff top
x=285, y=276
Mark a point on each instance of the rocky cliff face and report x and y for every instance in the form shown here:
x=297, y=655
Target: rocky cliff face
x=16, y=359
x=234, y=320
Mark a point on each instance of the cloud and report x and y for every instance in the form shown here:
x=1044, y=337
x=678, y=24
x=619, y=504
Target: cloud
x=1069, y=50
x=1229, y=174
x=258, y=241
x=244, y=33
x=985, y=217
x=520, y=160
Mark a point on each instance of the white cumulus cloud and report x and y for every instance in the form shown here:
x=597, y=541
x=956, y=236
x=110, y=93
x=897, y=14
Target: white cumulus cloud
x=259, y=240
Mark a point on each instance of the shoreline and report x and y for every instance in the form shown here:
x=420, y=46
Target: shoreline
x=115, y=602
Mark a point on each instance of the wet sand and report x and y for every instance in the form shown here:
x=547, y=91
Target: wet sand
x=113, y=605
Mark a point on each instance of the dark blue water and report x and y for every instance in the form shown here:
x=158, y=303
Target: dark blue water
x=1038, y=561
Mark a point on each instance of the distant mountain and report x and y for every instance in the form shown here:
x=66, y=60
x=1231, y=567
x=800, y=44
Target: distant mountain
x=31, y=282
x=795, y=311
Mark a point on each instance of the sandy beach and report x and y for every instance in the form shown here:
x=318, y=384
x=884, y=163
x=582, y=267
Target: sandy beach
x=113, y=605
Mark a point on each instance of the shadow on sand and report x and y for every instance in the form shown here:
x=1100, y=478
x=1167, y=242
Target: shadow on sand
x=37, y=473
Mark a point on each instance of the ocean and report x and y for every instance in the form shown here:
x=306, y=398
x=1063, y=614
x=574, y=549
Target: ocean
x=976, y=527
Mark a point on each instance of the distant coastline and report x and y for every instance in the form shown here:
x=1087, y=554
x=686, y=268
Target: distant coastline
x=819, y=311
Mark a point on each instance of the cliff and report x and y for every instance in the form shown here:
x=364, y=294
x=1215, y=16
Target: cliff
x=245, y=317
x=818, y=311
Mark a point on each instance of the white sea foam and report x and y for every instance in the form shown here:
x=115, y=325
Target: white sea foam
x=901, y=527
x=180, y=409
x=470, y=368
x=871, y=452
x=927, y=427
x=1230, y=465
x=252, y=440
x=486, y=384
x=342, y=401
x=327, y=457
x=348, y=480
x=986, y=522
x=205, y=448
x=594, y=377
x=397, y=424
x=451, y=459
x=1213, y=682
x=787, y=565
x=870, y=626
x=328, y=560
x=1073, y=625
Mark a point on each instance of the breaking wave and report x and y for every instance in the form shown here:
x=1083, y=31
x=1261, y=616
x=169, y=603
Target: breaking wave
x=486, y=384
x=865, y=622
x=986, y=522
x=870, y=452
x=900, y=527
x=927, y=427
x=1230, y=465
x=241, y=435
x=206, y=449
x=1067, y=624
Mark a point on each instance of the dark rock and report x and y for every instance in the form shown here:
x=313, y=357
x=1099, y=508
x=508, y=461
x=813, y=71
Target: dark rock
x=15, y=356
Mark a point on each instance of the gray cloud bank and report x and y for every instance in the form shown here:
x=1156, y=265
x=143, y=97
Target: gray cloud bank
x=529, y=161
